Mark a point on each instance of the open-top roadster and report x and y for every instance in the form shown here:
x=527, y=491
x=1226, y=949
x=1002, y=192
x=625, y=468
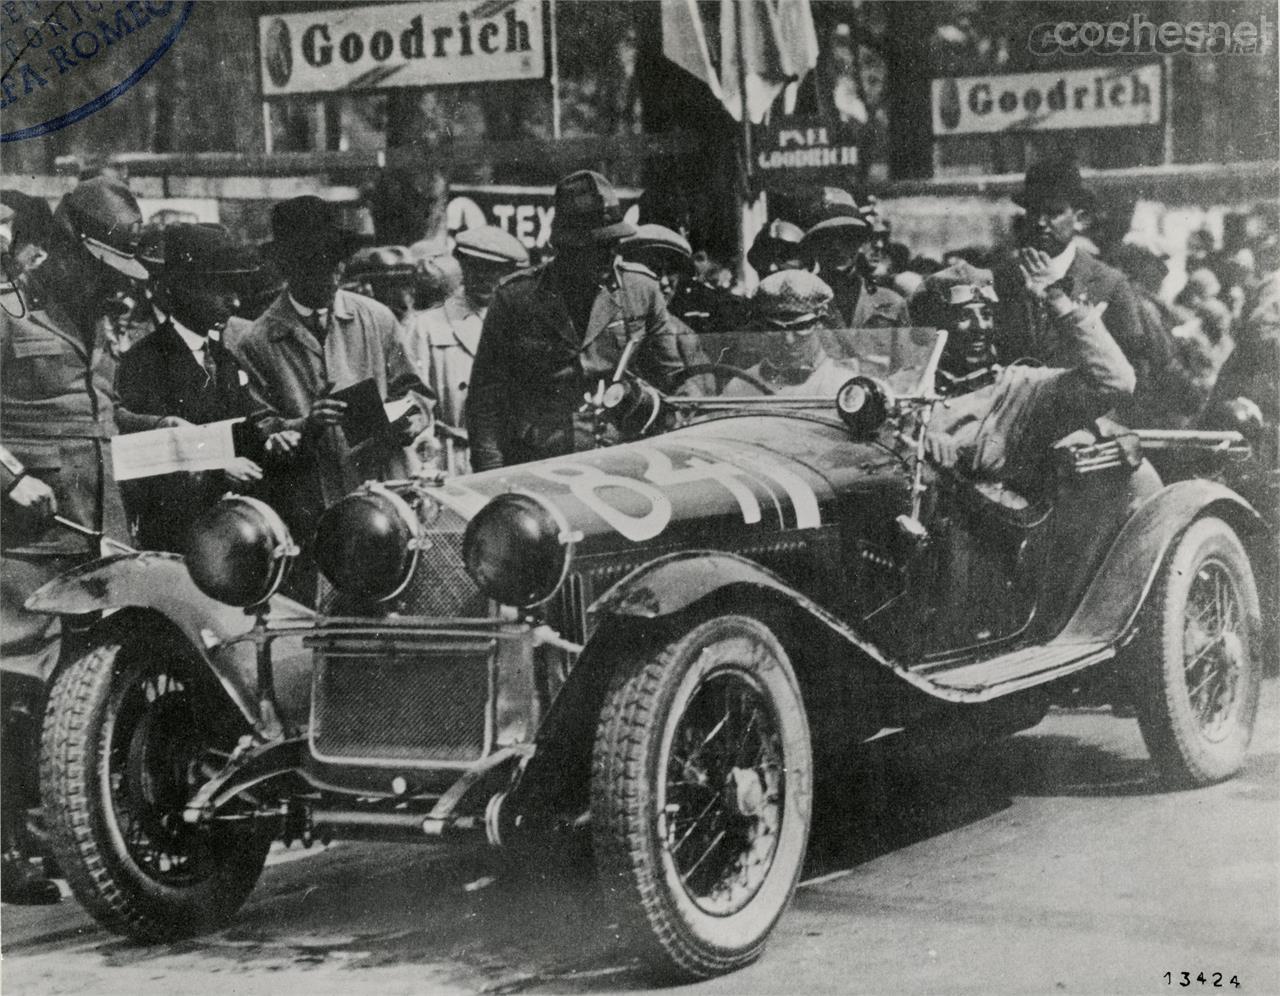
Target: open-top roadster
x=662, y=640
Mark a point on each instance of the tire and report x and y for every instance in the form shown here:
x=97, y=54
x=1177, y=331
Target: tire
x=126, y=740
x=754, y=821
x=1199, y=666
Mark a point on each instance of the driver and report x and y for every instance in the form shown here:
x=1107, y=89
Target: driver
x=792, y=305
x=959, y=299
x=1004, y=431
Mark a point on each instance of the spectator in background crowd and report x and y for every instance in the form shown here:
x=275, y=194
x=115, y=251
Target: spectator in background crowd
x=57, y=416
x=1058, y=208
x=316, y=339
x=835, y=247
x=557, y=332
x=666, y=254
x=776, y=247
x=181, y=374
x=388, y=274
x=442, y=341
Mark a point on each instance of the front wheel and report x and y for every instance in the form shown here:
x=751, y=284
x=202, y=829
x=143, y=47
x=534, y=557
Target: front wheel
x=1199, y=670
x=701, y=792
x=127, y=740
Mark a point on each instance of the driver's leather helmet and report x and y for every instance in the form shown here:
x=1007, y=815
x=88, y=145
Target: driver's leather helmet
x=959, y=299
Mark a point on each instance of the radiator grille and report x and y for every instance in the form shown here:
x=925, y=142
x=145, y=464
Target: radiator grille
x=408, y=705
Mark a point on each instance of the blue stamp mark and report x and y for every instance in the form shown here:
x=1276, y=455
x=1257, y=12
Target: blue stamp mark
x=51, y=51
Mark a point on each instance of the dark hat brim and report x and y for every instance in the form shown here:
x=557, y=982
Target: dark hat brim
x=842, y=225
x=122, y=262
x=1032, y=197
x=580, y=238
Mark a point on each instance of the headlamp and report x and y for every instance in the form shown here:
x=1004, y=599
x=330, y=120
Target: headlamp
x=239, y=551
x=863, y=405
x=368, y=543
x=517, y=548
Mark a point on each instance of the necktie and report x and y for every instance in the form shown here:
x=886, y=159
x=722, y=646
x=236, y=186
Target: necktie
x=318, y=323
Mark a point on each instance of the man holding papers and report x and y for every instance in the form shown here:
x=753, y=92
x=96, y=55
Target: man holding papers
x=181, y=374
x=304, y=355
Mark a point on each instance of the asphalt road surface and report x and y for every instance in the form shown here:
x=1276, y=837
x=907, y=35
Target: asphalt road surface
x=1048, y=863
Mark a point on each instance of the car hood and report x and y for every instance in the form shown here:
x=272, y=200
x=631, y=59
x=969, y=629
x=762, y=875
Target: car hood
x=766, y=473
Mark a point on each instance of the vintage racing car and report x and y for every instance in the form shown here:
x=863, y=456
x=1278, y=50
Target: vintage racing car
x=664, y=641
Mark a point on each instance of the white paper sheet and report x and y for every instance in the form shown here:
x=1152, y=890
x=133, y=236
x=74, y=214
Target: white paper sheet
x=168, y=451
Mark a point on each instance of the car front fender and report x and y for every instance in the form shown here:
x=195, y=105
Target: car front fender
x=1109, y=609
x=676, y=581
x=159, y=582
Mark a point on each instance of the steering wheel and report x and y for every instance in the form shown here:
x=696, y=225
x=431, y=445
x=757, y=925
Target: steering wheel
x=688, y=373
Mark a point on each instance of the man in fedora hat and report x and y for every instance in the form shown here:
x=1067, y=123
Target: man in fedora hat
x=316, y=339
x=442, y=341
x=57, y=416
x=1057, y=208
x=181, y=374
x=556, y=332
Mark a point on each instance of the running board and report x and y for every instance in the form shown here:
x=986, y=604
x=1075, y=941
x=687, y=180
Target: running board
x=1020, y=668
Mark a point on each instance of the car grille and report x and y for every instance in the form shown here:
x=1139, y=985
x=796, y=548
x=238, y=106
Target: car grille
x=405, y=696
x=423, y=700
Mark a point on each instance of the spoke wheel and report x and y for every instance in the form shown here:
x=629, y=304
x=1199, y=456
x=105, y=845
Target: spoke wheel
x=1199, y=673
x=701, y=794
x=128, y=739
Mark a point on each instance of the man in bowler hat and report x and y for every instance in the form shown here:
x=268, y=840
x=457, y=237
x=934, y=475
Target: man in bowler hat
x=181, y=374
x=1058, y=207
x=313, y=340
x=57, y=416
x=556, y=333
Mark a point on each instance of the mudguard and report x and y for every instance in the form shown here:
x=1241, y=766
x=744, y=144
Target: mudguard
x=674, y=582
x=159, y=582
x=1109, y=608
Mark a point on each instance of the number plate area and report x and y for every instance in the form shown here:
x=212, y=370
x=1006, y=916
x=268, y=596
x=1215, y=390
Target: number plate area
x=402, y=700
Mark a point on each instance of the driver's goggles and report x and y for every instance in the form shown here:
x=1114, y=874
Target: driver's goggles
x=962, y=294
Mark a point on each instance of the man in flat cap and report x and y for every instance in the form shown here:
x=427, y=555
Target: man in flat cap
x=790, y=309
x=836, y=247
x=57, y=416
x=181, y=374
x=314, y=340
x=1058, y=208
x=556, y=333
x=442, y=341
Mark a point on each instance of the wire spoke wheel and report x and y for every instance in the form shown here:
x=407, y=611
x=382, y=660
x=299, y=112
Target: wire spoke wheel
x=129, y=736
x=724, y=793
x=1198, y=675
x=700, y=795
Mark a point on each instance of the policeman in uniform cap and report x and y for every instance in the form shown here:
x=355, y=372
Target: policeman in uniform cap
x=556, y=333
x=836, y=247
x=442, y=341
x=790, y=310
x=181, y=374
x=56, y=421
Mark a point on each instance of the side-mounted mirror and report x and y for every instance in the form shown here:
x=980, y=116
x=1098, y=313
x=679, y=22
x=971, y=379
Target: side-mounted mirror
x=863, y=405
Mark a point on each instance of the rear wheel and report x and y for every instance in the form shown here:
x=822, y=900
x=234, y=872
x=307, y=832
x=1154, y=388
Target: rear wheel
x=127, y=740
x=1199, y=669
x=701, y=795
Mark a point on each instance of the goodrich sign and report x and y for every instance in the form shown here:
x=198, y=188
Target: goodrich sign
x=1076, y=98
x=401, y=44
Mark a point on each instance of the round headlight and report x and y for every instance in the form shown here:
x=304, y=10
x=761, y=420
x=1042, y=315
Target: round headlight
x=863, y=405
x=517, y=548
x=367, y=544
x=239, y=551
